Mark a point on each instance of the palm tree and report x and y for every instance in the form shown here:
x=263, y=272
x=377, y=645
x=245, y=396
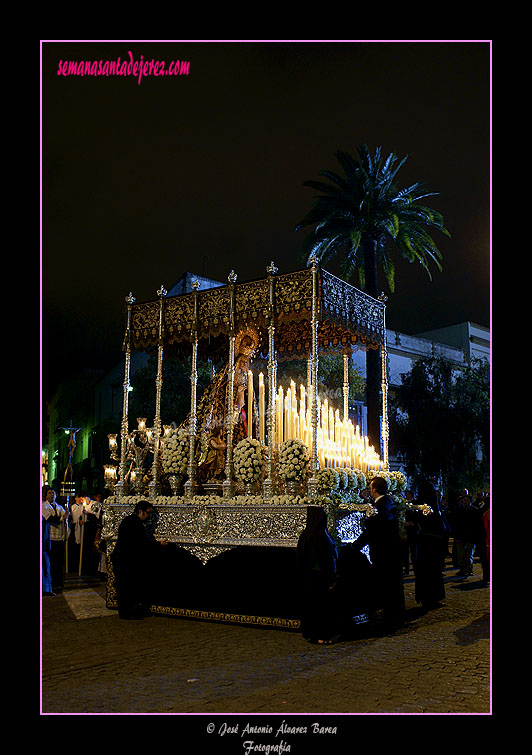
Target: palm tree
x=361, y=217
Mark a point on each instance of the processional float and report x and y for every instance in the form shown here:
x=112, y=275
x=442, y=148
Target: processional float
x=297, y=315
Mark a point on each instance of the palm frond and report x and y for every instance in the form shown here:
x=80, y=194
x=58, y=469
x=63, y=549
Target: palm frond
x=324, y=187
x=347, y=269
x=348, y=163
x=356, y=238
x=397, y=168
x=391, y=224
x=389, y=270
x=365, y=203
x=414, y=193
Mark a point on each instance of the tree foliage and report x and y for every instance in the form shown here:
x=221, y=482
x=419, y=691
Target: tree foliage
x=440, y=422
x=362, y=216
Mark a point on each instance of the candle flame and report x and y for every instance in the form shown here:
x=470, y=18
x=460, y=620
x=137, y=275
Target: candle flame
x=340, y=443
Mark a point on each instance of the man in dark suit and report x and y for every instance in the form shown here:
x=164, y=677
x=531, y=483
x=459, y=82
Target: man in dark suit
x=132, y=560
x=381, y=534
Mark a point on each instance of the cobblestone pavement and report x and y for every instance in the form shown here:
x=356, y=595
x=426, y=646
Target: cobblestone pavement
x=93, y=662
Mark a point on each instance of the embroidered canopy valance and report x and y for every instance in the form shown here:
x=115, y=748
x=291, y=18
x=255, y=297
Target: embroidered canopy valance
x=347, y=317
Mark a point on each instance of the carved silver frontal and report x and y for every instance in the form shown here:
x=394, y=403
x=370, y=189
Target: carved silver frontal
x=207, y=529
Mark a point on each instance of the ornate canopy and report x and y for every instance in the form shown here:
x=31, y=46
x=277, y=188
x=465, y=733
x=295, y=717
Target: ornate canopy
x=347, y=316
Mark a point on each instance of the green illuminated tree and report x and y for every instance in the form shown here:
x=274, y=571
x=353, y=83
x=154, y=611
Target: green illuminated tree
x=362, y=218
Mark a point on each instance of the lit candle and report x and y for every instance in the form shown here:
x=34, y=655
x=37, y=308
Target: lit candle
x=250, y=404
x=295, y=416
x=287, y=405
x=280, y=427
x=261, y=408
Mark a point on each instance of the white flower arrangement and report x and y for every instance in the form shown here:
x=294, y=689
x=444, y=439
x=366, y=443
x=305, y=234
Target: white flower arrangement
x=400, y=481
x=293, y=459
x=390, y=481
x=351, y=481
x=328, y=481
x=276, y=500
x=288, y=500
x=247, y=460
x=238, y=500
x=362, y=480
x=174, y=456
x=125, y=500
x=370, y=474
x=343, y=479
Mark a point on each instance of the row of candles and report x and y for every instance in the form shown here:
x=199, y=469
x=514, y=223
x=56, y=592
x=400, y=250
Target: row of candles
x=340, y=443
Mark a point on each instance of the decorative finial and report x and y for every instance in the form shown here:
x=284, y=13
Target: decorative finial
x=162, y=291
x=271, y=269
x=195, y=284
x=313, y=259
x=383, y=297
x=232, y=277
x=130, y=299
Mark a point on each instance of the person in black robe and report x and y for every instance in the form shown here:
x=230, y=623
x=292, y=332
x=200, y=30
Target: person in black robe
x=429, y=544
x=317, y=556
x=132, y=560
x=381, y=534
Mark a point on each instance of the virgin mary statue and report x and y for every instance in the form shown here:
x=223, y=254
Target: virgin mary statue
x=211, y=413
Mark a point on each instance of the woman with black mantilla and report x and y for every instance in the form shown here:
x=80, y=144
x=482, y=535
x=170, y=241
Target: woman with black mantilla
x=428, y=544
x=318, y=557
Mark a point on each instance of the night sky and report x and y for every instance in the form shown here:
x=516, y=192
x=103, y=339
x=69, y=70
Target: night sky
x=203, y=173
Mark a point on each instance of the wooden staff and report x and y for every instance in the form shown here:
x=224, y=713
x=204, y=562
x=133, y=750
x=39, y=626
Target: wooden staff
x=69, y=486
x=66, y=532
x=82, y=523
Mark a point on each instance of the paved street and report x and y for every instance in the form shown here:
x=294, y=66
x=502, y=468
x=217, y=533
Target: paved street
x=439, y=662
